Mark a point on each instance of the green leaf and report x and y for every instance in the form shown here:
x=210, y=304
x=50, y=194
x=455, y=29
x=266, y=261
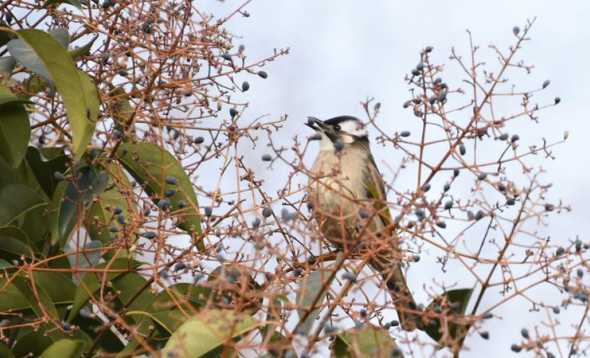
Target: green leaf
x=369, y=342
x=7, y=97
x=64, y=348
x=121, y=109
x=77, y=92
x=150, y=165
x=92, y=282
x=58, y=286
x=308, y=291
x=5, y=351
x=208, y=330
x=7, y=64
x=73, y=200
x=31, y=344
x=101, y=218
x=38, y=299
x=449, y=327
x=83, y=50
x=44, y=163
x=15, y=130
x=15, y=241
x=16, y=200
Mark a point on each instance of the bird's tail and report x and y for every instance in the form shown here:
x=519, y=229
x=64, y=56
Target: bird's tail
x=391, y=271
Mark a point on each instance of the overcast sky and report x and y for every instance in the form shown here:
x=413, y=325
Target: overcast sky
x=343, y=51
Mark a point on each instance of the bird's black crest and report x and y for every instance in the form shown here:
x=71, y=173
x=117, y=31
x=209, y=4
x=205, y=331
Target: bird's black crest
x=340, y=119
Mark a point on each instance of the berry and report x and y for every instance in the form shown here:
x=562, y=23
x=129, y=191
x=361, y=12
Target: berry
x=479, y=215
x=456, y=172
x=405, y=134
x=266, y=158
x=546, y=84
x=148, y=235
x=262, y=74
x=557, y=100
x=364, y=213
x=549, y=207
x=514, y=138
x=503, y=136
x=515, y=348
x=349, y=276
x=446, y=187
x=428, y=49
x=255, y=223
x=524, y=333
x=169, y=192
x=441, y=224
x=510, y=201
x=198, y=140
x=516, y=30
x=164, y=204
x=245, y=86
x=482, y=176
x=117, y=211
x=208, y=211
x=171, y=180
x=462, y=149
x=226, y=56
x=266, y=212
x=485, y=335
x=233, y=112
x=179, y=266
x=448, y=205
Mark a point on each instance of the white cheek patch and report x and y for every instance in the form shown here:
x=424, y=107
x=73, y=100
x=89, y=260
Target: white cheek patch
x=354, y=128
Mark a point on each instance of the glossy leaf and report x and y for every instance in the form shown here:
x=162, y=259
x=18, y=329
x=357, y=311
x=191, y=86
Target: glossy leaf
x=82, y=50
x=74, y=198
x=16, y=200
x=208, y=330
x=101, y=217
x=92, y=282
x=86, y=255
x=64, y=348
x=369, y=342
x=44, y=163
x=32, y=344
x=5, y=351
x=38, y=299
x=150, y=165
x=46, y=57
x=449, y=310
x=308, y=291
x=14, y=241
x=7, y=64
x=15, y=130
x=121, y=109
x=61, y=35
x=57, y=286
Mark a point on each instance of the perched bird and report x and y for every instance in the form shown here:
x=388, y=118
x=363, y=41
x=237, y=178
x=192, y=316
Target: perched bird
x=347, y=195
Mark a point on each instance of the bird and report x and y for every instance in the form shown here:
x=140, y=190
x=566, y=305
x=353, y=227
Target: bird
x=346, y=194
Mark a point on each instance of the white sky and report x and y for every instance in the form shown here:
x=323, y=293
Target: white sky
x=343, y=51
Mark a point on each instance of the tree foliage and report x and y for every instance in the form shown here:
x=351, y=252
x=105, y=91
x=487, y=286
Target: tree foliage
x=114, y=118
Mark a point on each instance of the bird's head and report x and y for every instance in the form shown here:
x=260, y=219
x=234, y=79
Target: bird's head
x=338, y=132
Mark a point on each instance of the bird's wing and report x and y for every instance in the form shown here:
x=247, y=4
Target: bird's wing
x=376, y=191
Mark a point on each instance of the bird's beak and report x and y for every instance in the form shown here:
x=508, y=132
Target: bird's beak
x=314, y=123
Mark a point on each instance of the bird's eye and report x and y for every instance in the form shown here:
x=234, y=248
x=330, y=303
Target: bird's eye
x=337, y=127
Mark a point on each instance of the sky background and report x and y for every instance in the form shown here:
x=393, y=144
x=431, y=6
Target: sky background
x=343, y=51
